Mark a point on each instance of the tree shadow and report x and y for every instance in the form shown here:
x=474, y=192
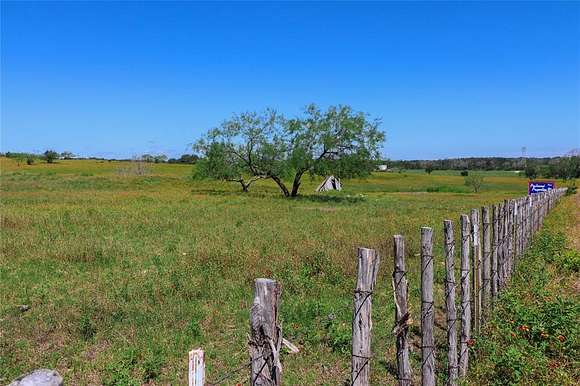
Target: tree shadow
x=335, y=199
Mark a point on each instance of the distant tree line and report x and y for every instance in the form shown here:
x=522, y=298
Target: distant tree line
x=30, y=158
x=566, y=167
x=184, y=159
x=50, y=156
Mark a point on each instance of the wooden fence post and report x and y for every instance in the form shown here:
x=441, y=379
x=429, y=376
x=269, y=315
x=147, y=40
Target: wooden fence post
x=522, y=212
x=476, y=271
x=510, y=238
x=451, y=311
x=465, y=298
x=529, y=221
x=486, y=290
x=265, y=334
x=402, y=317
x=504, y=244
x=518, y=225
x=494, y=253
x=196, y=368
x=427, y=309
x=368, y=266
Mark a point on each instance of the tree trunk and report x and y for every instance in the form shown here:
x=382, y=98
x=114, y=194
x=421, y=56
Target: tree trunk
x=296, y=183
x=283, y=187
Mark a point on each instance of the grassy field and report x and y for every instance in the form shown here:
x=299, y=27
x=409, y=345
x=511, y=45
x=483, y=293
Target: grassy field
x=125, y=273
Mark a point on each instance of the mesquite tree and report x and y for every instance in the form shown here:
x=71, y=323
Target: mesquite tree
x=254, y=146
x=338, y=141
x=244, y=149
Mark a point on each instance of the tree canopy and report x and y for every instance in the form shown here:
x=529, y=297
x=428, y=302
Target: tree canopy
x=253, y=146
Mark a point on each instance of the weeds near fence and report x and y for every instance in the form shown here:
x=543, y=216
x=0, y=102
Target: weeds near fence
x=534, y=333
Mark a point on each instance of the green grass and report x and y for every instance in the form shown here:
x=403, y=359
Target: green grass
x=124, y=274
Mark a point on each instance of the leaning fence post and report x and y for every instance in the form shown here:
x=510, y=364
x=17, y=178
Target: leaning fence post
x=402, y=317
x=486, y=290
x=451, y=311
x=196, y=368
x=465, y=298
x=427, y=310
x=368, y=265
x=265, y=334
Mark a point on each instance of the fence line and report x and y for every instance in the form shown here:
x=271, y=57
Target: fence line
x=493, y=240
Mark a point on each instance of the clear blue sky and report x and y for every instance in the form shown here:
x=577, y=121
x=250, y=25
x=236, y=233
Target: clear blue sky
x=448, y=79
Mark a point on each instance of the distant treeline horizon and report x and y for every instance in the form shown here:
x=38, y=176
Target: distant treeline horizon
x=474, y=163
x=567, y=166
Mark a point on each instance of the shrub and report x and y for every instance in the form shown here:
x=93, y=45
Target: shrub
x=50, y=156
x=474, y=182
x=464, y=173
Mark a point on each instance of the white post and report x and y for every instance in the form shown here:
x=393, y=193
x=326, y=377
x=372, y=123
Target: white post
x=196, y=368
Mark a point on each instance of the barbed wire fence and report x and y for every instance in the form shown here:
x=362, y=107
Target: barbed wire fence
x=506, y=236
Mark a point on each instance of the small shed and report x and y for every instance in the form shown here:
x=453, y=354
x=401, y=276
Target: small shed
x=329, y=183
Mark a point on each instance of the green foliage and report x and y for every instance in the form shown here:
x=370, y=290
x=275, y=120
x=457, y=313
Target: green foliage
x=29, y=161
x=571, y=189
x=87, y=326
x=184, y=159
x=244, y=149
x=429, y=168
x=464, y=173
x=253, y=146
x=531, y=172
x=67, y=155
x=474, y=181
x=152, y=364
x=50, y=156
x=338, y=141
x=120, y=371
x=157, y=158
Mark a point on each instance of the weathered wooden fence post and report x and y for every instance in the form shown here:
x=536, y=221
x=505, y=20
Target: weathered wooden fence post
x=510, y=239
x=494, y=253
x=476, y=270
x=265, y=334
x=504, y=244
x=451, y=311
x=196, y=368
x=529, y=221
x=486, y=290
x=427, y=309
x=368, y=266
x=402, y=317
x=465, y=298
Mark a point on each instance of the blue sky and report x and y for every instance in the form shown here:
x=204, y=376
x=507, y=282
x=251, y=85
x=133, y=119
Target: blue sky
x=448, y=79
